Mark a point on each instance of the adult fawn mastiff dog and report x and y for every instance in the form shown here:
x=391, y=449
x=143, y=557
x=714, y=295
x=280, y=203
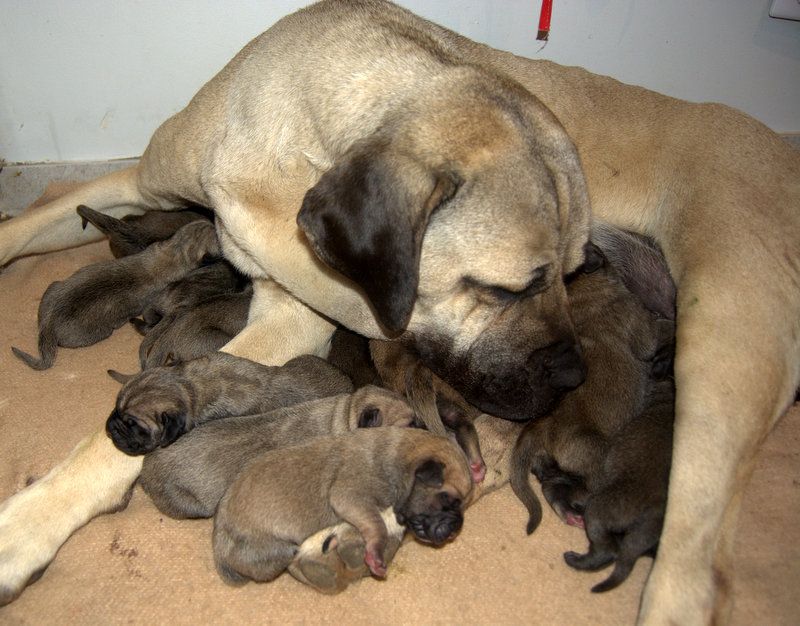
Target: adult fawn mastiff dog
x=372, y=168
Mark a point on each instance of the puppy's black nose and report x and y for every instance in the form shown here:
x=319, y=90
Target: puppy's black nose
x=562, y=364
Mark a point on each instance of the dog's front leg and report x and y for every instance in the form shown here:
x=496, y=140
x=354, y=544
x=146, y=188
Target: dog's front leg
x=95, y=478
x=279, y=328
x=56, y=225
x=736, y=370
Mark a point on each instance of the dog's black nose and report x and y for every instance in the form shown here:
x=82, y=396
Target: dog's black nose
x=562, y=364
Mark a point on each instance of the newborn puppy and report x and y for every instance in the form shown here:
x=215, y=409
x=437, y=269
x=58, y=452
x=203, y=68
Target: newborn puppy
x=350, y=353
x=193, y=332
x=628, y=496
x=287, y=495
x=436, y=403
x=133, y=233
x=99, y=298
x=188, y=478
x=156, y=406
x=623, y=343
x=205, y=282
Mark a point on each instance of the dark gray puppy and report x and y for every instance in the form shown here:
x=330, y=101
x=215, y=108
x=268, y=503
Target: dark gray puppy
x=624, y=345
x=190, y=333
x=133, y=233
x=350, y=353
x=156, y=406
x=208, y=281
x=628, y=496
x=99, y=298
x=282, y=498
x=188, y=478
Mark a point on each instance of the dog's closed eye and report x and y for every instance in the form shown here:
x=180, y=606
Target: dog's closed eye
x=370, y=417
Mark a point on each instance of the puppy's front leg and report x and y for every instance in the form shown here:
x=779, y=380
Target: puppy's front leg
x=95, y=478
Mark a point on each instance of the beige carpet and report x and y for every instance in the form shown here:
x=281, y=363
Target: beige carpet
x=139, y=567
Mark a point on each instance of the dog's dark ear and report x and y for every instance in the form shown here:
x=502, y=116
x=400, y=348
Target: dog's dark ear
x=370, y=418
x=366, y=218
x=430, y=473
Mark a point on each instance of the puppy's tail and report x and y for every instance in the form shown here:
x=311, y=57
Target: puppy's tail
x=119, y=232
x=48, y=346
x=119, y=376
x=521, y=462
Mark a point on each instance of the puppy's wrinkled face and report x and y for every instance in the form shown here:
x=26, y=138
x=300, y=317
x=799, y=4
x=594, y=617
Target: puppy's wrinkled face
x=459, y=226
x=372, y=406
x=434, y=510
x=149, y=413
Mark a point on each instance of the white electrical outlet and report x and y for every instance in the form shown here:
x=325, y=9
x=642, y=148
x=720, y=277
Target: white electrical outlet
x=785, y=9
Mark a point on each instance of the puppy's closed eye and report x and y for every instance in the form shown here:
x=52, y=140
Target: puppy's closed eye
x=370, y=418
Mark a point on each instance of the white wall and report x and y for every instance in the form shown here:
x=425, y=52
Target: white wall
x=91, y=79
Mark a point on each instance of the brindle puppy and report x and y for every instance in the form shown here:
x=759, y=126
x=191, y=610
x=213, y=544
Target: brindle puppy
x=436, y=403
x=622, y=343
x=350, y=353
x=188, y=478
x=191, y=333
x=156, y=406
x=281, y=499
x=133, y=233
x=99, y=298
x=628, y=496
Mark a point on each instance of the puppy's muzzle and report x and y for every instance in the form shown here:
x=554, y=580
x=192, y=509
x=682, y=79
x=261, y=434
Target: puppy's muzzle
x=439, y=523
x=134, y=436
x=561, y=364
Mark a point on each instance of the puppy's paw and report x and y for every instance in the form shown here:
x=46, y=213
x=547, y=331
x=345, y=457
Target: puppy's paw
x=134, y=436
x=375, y=563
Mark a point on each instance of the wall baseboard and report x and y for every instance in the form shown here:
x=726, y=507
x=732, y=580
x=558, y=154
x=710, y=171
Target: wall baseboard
x=22, y=183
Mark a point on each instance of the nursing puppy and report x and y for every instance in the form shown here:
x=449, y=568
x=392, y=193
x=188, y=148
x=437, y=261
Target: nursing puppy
x=350, y=353
x=133, y=233
x=437, y=404
x=206, y=282
x=156, y=406
x=281, y=498
x=99, y=298
x=190, y=333
x=188, y=478
x=624, y=345
x=628, y=496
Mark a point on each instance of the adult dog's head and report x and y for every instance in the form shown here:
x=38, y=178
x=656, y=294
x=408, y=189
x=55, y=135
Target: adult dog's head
x=458, y=218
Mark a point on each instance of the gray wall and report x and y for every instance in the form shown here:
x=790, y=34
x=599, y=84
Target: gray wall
x=92, y=79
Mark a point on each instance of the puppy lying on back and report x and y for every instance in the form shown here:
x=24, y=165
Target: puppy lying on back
x=282, y=498
x=205, y=282
x=99, y=298
x=133, y=233
x=156, y=406
x=624, y=346
x=628, y=496
x=190, y=333
x=188, y=478
x=436, y=403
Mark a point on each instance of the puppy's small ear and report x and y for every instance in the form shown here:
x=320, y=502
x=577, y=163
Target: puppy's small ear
x=370, y=418
x=366, y=217
x=593, y=258
x=430, y=473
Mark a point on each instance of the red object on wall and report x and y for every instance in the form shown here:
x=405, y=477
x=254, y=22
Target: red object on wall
x=544, y=20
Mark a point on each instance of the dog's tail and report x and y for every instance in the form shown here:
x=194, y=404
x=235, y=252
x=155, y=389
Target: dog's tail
x=521, y=463
x=119, y=376
x=54, y=226
x=48, y=346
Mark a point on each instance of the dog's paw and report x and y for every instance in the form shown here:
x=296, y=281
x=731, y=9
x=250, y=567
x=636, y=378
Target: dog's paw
x=134, y=436
x=27, y=541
